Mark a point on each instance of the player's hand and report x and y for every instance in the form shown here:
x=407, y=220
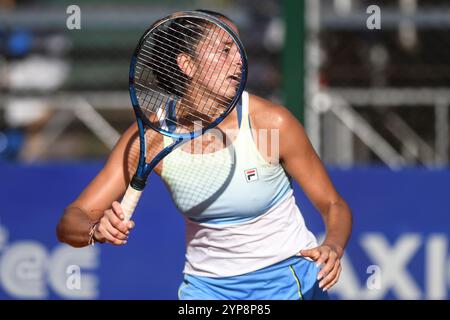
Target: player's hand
x=111, y=227
x=329, y=258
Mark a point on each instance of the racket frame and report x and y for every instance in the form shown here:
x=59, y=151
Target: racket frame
x=143, y=170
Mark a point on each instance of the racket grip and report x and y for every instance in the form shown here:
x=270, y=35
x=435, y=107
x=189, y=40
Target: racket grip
x=129, y=202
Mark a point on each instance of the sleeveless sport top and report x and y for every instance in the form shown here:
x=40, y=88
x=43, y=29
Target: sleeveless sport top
x=240, y=210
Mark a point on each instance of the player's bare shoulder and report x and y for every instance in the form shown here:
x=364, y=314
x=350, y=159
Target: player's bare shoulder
x=155, y=143
x=130, y=148
x=265, y=114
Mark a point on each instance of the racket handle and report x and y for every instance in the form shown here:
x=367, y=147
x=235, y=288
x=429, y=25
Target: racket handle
x=129, y=202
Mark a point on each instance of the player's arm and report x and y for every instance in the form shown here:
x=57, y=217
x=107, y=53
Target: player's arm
x=97, y=204
x=302, y=163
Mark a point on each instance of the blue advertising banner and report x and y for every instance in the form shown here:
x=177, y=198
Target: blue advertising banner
x=398, y=250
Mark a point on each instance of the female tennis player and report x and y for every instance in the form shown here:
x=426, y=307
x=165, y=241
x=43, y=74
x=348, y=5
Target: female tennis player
x=250, y=241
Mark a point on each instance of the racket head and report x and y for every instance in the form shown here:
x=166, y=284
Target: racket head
x=163, y=94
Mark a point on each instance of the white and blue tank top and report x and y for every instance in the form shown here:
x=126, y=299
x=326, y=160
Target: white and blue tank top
x=239, y=209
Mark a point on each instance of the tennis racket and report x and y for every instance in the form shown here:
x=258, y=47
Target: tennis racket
x=187, y=74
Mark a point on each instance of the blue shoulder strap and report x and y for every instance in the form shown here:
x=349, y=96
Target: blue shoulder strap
x=171, y=114
x=239, y=112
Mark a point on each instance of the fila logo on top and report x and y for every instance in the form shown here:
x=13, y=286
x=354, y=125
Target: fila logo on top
x=251, y=175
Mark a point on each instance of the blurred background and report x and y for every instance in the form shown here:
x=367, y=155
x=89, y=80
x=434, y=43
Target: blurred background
x=374, y=101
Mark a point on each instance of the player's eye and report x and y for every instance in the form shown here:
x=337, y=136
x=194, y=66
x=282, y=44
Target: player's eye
x=227, y=49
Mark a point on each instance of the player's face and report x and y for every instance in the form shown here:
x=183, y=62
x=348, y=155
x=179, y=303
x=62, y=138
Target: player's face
x=218, y=63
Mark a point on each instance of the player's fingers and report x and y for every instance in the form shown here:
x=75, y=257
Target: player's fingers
x=108, y=237
x=335, y=280
x=324, y=256
x=311, y=253
x=115, y=221
x=130, y=224
x=328, y=258
x=117, y=209
x=329, y=276
x=116, y=233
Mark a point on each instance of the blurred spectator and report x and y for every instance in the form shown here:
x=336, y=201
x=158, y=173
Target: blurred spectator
x=27, y=72
x=6, y=4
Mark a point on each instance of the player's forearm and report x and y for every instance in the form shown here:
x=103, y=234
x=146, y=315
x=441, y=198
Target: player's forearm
x=74, y=227
x=338, y=222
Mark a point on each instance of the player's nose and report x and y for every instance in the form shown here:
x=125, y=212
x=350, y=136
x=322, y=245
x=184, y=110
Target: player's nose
x=237, y=61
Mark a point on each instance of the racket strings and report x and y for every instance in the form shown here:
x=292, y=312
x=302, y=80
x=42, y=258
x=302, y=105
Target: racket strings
x=213, y=40
x=151, y=102
x=168, y=48
x=216, y=79
x=216, y=109
x=166, y=67
x=161, y=111
x=188, y=43
x=202, y=49
x=198, y=103
x=225, y=102
x=177, y=46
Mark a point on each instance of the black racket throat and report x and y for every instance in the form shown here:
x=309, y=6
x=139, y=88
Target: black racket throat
x=138, y=183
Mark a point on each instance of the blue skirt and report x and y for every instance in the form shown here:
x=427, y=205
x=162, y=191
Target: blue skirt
x=292, y=279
